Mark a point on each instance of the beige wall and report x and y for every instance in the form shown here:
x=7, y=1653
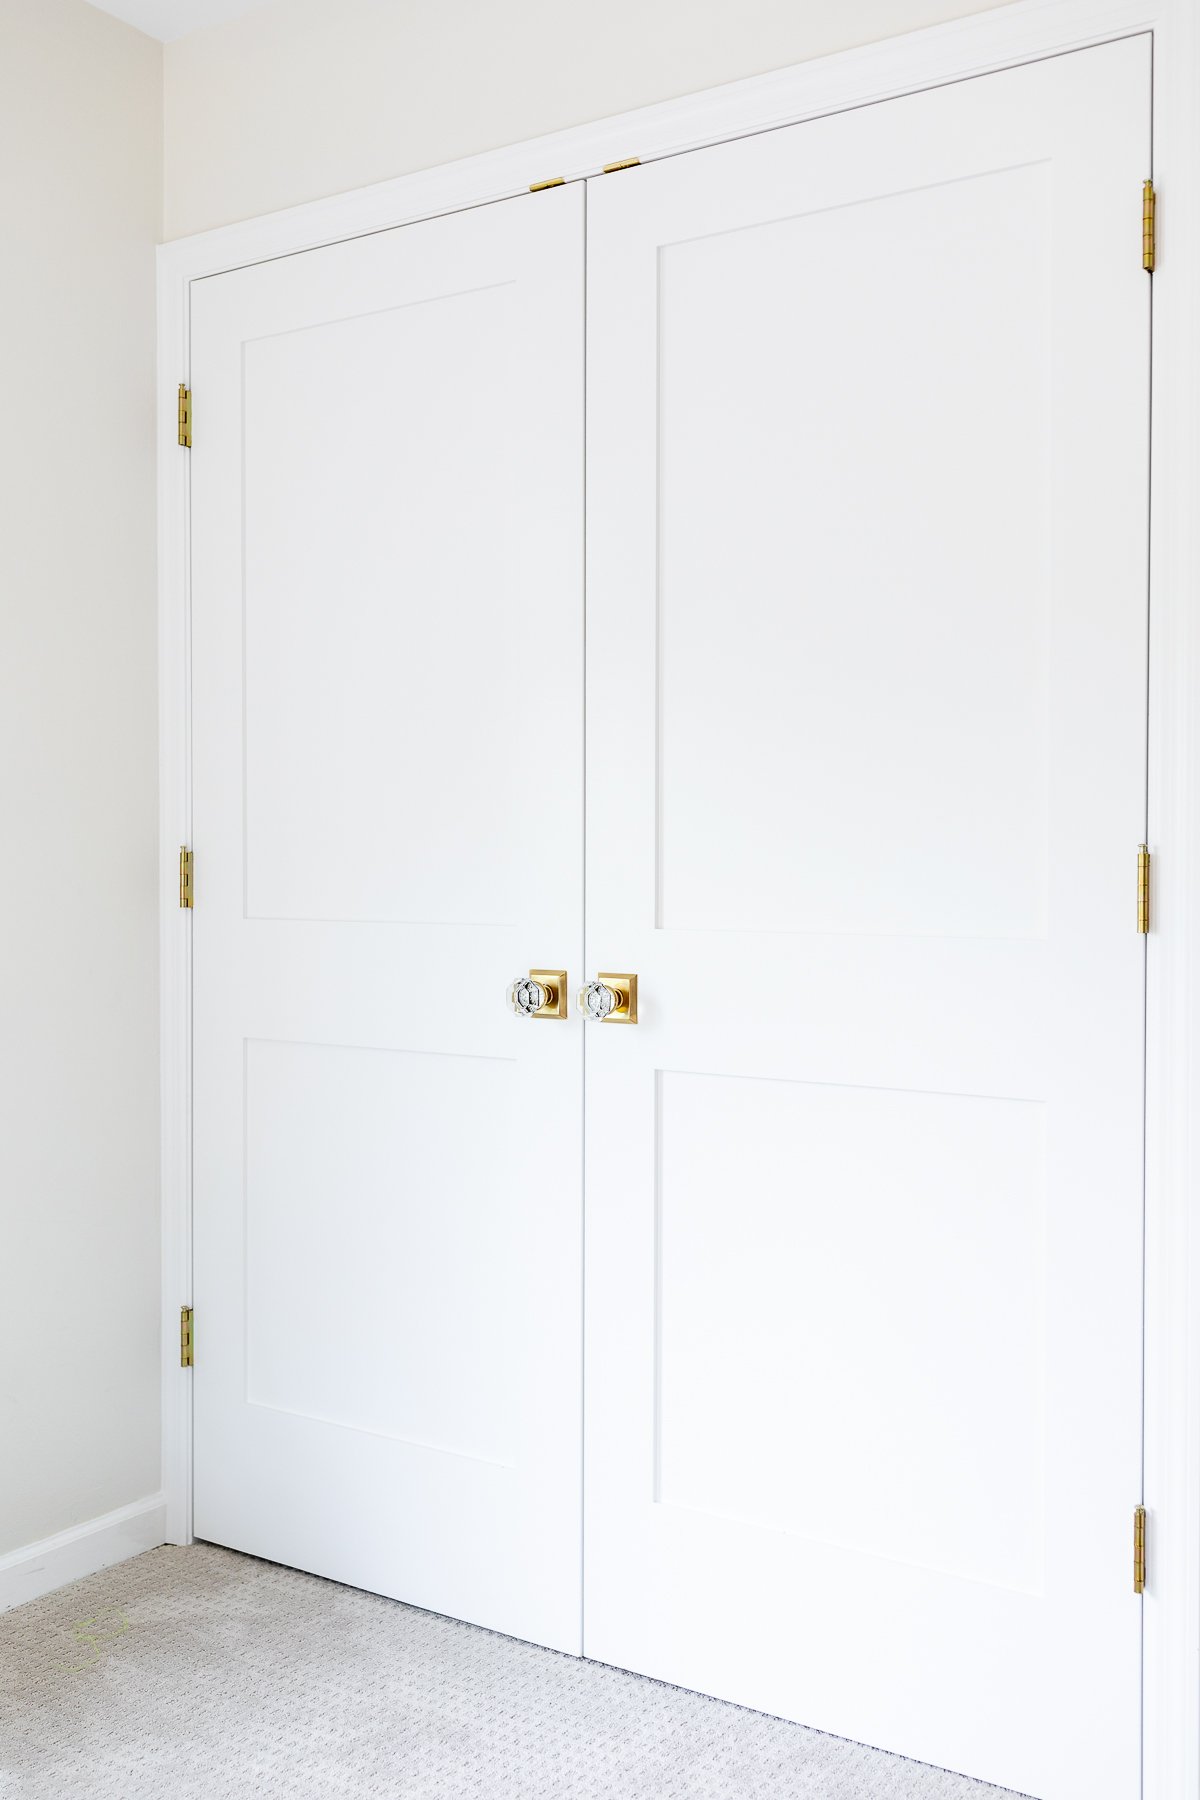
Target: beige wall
x=80, y=124
x=305, y=98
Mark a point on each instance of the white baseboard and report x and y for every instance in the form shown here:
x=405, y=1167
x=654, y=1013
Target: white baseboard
x=96, y=1544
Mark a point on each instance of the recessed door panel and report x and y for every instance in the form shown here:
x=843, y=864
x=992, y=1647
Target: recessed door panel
x=384, y=627
x=363, y=1222
x=812, y=638
x=785, y=1210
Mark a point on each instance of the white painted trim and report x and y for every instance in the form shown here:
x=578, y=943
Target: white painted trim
x=1171, y=1617
x=950, y=52
x=830, y=83
x=70, y=1555
x=175, y=938
x=964, y=48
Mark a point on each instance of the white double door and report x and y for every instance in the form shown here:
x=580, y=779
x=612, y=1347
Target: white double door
x=834, y=1406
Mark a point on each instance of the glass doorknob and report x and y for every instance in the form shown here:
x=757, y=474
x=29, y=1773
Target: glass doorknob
x=610, y=1000
x=542, y=994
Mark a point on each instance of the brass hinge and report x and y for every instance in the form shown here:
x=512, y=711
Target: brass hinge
x=1143, y=888
x=1148, y=227
x=185, y=417
x=185, y=876
x=185, y=1337
x=1139, y=1549
x=538, y=187
x=630, y=162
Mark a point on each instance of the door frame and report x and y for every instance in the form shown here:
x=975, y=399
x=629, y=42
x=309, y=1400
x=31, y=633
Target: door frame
x=1021, y=31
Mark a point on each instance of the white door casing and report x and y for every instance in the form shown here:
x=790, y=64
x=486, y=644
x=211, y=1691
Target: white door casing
x=387, y=688
x=961, y=49
x=867, y=553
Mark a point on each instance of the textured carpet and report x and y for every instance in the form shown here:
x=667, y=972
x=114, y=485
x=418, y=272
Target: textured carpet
x=189, y=1673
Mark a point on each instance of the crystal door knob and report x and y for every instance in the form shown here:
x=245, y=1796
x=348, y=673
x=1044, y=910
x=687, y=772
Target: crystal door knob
x=542, y=994
x=610, y=1000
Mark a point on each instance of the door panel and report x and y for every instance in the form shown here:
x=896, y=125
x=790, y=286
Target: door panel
x=336, y=537
x=387, y=647
x=772, y=661
x=325, y=1119
x=867, y=542
x=787, y=1286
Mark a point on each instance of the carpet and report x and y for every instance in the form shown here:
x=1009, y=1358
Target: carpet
x=189, y=1673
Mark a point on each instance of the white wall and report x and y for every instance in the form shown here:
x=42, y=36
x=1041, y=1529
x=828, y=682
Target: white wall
x=80, y=168
x=304, y=98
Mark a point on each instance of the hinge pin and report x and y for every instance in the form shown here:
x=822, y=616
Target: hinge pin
x=1148, y=227
x=539, y=187
x=185, y=1337
x=1139, y=1549
x=185, y=416
x=630, y=162
x=185, y=876
x=1143, y=889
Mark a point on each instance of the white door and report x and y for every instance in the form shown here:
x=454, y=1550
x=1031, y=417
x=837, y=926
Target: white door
x=387, y=540
x=867, y=527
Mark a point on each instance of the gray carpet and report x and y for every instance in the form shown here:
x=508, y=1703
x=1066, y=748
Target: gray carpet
x=189, y=1673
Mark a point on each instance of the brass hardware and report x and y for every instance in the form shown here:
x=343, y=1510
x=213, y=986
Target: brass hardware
x=185, y=876
x=1139, y=1549
x=625, y=988
x=554, y=981
x=538, y=187
x=630, y=162
x=610, y=999
x=185, y=417
x=1148, y=233
x=1143, y=888
x=551, y=984
x=185, y=1337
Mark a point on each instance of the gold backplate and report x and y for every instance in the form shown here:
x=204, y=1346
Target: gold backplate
x=625, y=1012
x=556, y=981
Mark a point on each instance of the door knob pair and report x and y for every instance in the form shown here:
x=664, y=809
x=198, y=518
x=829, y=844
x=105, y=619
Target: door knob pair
x=542, y=994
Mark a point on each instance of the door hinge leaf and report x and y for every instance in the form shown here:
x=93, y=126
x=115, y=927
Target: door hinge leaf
x=185, y=1337
x=1148, y=227
x=539, y=187
x=1139, y=1549
x=628, y=162
x=185, y=416
x=1143, y=889
x=185, y=876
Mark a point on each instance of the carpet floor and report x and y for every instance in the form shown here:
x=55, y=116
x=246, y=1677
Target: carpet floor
x=199, y=1673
